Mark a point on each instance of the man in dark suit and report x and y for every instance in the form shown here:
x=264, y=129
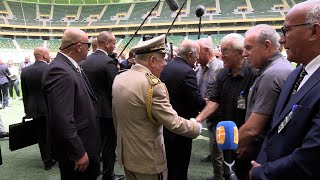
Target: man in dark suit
x=72, y=115
x=4, y=85
x=291, y=149
x=126, y=64
x=34, y=102
x=101, y=71
x=185, y=98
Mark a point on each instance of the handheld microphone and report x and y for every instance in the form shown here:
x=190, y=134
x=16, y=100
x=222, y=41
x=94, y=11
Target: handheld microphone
x=173, y=5
x=227, y=137
x=199, y=13
x=200, y=10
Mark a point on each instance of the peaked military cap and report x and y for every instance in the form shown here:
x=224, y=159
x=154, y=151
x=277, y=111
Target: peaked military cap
x=156, y=44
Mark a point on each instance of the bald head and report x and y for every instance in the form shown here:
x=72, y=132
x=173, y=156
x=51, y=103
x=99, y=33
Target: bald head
x=41, y=54
x=302, y=32
x=74, y=43
x=72, y=35
x=94, y=44
x=106, y=41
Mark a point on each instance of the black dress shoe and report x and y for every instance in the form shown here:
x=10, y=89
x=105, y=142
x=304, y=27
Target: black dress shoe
x=210, y=178
x=48, y=165
x=118, y=177
x=4, y=134
x=206, y=159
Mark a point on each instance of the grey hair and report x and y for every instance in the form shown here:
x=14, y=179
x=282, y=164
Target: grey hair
x=186, y=47
x=313, y=15
x=206, y=42
x=237, y=40
x=266, y=32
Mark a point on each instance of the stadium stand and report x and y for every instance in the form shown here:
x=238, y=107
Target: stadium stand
x=8, y=50
x=43, y=21
x=2, y=7
x=53, y=45
x=140, y=12
x=6, y=44
x=17, y=13
x=27, y=45
x=125, y=40
x=109, y=16
x=90, y=13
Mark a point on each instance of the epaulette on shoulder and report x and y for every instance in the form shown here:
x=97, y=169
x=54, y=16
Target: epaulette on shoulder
x=153, y=80
x=121, y=71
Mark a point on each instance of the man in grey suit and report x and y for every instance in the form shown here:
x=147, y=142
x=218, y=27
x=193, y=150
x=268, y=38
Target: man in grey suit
x=101, y=71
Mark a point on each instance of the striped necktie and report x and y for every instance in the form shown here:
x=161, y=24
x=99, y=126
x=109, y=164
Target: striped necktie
x=296, y=86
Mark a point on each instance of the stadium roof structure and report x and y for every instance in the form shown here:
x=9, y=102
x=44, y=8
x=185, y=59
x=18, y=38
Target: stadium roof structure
x=79, y=1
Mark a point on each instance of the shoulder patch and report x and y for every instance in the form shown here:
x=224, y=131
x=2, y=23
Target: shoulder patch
x=153, y=80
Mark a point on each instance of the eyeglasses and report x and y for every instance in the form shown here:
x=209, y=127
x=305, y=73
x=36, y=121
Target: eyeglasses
x=89, y=44
x=288, y=28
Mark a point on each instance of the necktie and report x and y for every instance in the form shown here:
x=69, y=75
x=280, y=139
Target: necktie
x=79, y=70
x=296, y=86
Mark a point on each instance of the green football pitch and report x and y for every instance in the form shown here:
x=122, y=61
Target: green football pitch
x=26, y=164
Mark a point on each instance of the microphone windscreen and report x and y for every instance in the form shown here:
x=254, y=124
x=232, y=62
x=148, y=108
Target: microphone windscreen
x=200, y=10
x=227, y=135
x=173, y=5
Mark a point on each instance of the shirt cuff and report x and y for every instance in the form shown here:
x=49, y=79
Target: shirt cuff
x=200, y=125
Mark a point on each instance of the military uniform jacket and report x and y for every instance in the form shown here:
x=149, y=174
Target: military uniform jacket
x=140, y=146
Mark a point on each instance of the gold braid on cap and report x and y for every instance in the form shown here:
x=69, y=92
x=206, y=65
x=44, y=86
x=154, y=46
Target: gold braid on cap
x=160, y=48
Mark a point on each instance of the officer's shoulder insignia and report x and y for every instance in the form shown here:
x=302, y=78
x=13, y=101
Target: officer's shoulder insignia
x=153, y=80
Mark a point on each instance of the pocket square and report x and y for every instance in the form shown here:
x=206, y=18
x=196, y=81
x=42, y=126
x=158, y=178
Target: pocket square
x=287, y=118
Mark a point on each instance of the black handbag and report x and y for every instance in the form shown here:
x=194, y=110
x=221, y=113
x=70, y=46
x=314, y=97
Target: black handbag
x=22, y=134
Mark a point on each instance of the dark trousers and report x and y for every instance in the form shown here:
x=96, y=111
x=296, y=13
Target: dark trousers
x=178, y=152
x=43, y=141
x=67, y=170
x=14, y=85
x=109, y=142
x=4, y=94
x=242, y=168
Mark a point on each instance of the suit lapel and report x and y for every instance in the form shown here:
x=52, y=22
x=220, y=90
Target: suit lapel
x=87, y=85
x=286, y=93
x=309, y=84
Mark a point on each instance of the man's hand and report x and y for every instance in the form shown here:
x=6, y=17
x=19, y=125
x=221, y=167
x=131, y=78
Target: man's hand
x=254, y=165
x=82, y=163
x=242, y=152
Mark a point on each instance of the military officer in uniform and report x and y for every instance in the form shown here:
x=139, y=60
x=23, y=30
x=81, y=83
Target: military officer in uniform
x=141, y=108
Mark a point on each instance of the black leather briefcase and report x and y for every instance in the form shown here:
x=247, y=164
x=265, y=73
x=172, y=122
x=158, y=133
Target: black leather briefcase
x=22, y=134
